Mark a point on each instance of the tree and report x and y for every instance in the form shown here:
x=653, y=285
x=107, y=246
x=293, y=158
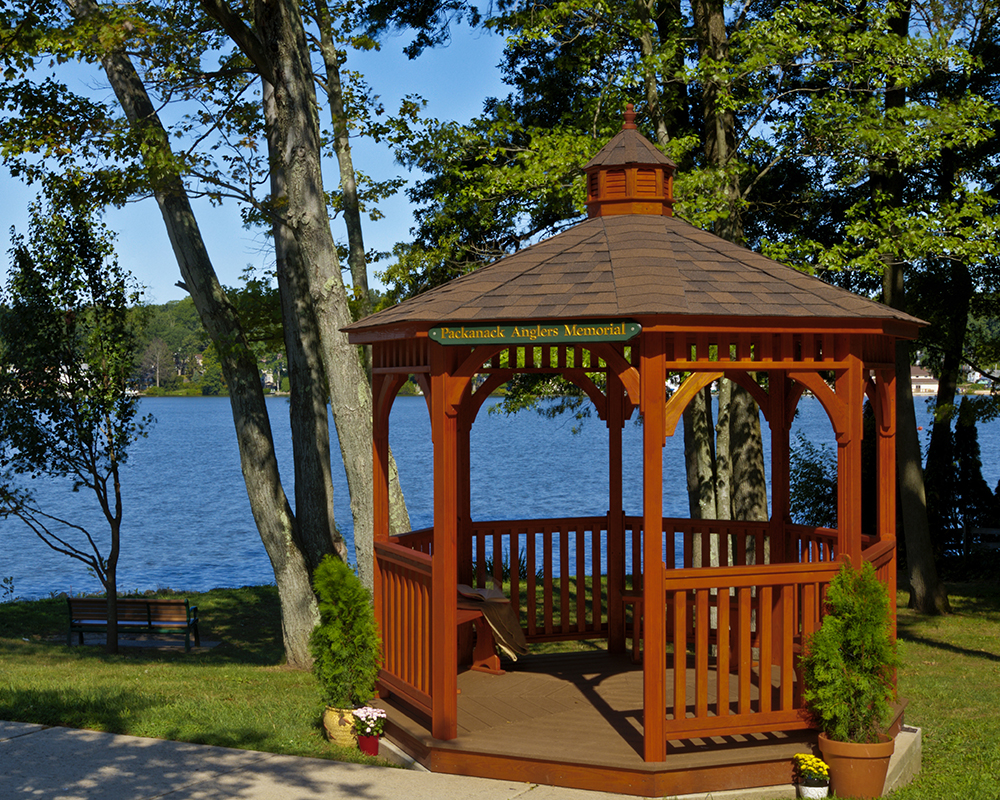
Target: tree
x=263, y=90
x=157, y=363
x=67, y=408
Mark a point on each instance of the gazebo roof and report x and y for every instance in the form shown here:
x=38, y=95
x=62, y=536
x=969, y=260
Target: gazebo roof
x=632, y=265
x=631, y=258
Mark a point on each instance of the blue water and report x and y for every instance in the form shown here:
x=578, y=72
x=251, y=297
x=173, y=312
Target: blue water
x=187, y=518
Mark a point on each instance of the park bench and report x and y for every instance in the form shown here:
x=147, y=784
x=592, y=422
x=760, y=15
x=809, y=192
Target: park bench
x=148, y=614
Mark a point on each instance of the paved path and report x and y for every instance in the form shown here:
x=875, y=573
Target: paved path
x=69, y=764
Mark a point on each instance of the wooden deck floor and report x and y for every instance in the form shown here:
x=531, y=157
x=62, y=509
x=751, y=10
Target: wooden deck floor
x=576, y=720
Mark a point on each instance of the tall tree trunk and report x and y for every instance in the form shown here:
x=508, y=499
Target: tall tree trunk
x=296, y=143
x=307, y=381
x=699, y=456
x=927, y=593
x=270, y=508
x=952, y=315
x=749, y=494
x=399, y=520
x=356, y=258
x=723, y=452
x=719, y=119
x=646, y=10
x=745, y=450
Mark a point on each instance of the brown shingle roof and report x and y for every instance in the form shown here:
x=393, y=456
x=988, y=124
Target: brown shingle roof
x=629, y=266
x=628, y=147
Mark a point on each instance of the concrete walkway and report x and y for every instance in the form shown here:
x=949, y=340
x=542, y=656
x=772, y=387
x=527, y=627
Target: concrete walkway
x=68, y=764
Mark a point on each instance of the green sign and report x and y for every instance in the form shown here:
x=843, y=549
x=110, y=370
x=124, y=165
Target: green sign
x=536, y=333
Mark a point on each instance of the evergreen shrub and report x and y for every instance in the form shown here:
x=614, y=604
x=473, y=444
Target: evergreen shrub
x=848, y=664
x=345, y=644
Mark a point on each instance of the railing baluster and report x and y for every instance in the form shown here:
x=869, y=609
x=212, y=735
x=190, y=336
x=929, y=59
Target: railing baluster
x=547, y=584
x=598, y=533
x=789, y=684
x=724, y=644
x=581, y=578
x=744, y=652
x=680, y=655
x=532, y=610
x=702, y=625
x=565, y=615
x=765, y=612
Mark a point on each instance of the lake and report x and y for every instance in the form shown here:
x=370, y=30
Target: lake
x=187, y=518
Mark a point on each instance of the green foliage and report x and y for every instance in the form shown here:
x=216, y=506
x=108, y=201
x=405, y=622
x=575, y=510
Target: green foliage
x=345, y=643
x=848, y=664
x=212, y=382
x=813, y=484
x=67, y=409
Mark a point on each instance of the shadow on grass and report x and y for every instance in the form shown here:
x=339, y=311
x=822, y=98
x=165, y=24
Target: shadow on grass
x=112, y=710
x=906, y=633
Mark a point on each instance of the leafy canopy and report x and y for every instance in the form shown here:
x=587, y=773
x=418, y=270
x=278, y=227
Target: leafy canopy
x=67, y=356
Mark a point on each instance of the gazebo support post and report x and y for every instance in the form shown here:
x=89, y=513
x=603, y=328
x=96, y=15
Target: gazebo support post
x=616, y=517
x=465, y=570
x=781, y=551
x=885, y=409
x=652, y=375
x=849, y=384
x=778, y=417
x=444, y=580
x=382, y=393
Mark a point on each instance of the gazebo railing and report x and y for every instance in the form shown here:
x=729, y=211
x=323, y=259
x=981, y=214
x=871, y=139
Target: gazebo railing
x=404, y=605
x=812, y=544
x=733, y=632
x=723, y=543
x=548, y=565
x=739, y=666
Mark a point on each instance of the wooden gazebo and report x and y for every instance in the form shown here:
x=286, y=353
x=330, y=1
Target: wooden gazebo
x=636, y=296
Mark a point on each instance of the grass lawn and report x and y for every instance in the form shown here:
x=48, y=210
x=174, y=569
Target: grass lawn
x=235, y=695
x=951, y=676
x=239, y=694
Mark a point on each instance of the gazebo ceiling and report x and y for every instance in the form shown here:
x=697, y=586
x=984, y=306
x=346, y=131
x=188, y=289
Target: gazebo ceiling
x=631, y=259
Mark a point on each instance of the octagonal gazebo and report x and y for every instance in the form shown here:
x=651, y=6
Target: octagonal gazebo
x=636, y=296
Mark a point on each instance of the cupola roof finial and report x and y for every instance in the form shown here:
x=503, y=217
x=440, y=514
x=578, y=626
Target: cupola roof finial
x=629, y=123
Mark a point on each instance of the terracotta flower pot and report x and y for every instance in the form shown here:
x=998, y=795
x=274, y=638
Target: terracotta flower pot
x=368, y=745
x=857, y=770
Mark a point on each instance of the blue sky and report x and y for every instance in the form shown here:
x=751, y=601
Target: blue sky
x=454, y=80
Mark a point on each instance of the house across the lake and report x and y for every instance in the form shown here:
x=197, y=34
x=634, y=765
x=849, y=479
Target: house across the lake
x=922, y=382
x=680, y=673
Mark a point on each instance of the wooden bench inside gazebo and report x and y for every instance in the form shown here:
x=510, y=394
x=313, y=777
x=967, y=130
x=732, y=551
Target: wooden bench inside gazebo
x=618, y=305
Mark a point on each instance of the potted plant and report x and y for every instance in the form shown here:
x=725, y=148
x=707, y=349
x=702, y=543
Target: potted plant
x=345, y=645
x=812, y=775
x=848, y=667
x=369, y=723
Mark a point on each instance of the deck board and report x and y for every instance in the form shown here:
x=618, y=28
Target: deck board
x=573, y=718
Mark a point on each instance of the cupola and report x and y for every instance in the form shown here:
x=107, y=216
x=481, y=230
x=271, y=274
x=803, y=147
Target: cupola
x=630, y=176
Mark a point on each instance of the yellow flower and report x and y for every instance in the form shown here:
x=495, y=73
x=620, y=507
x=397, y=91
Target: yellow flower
x=809, y=766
